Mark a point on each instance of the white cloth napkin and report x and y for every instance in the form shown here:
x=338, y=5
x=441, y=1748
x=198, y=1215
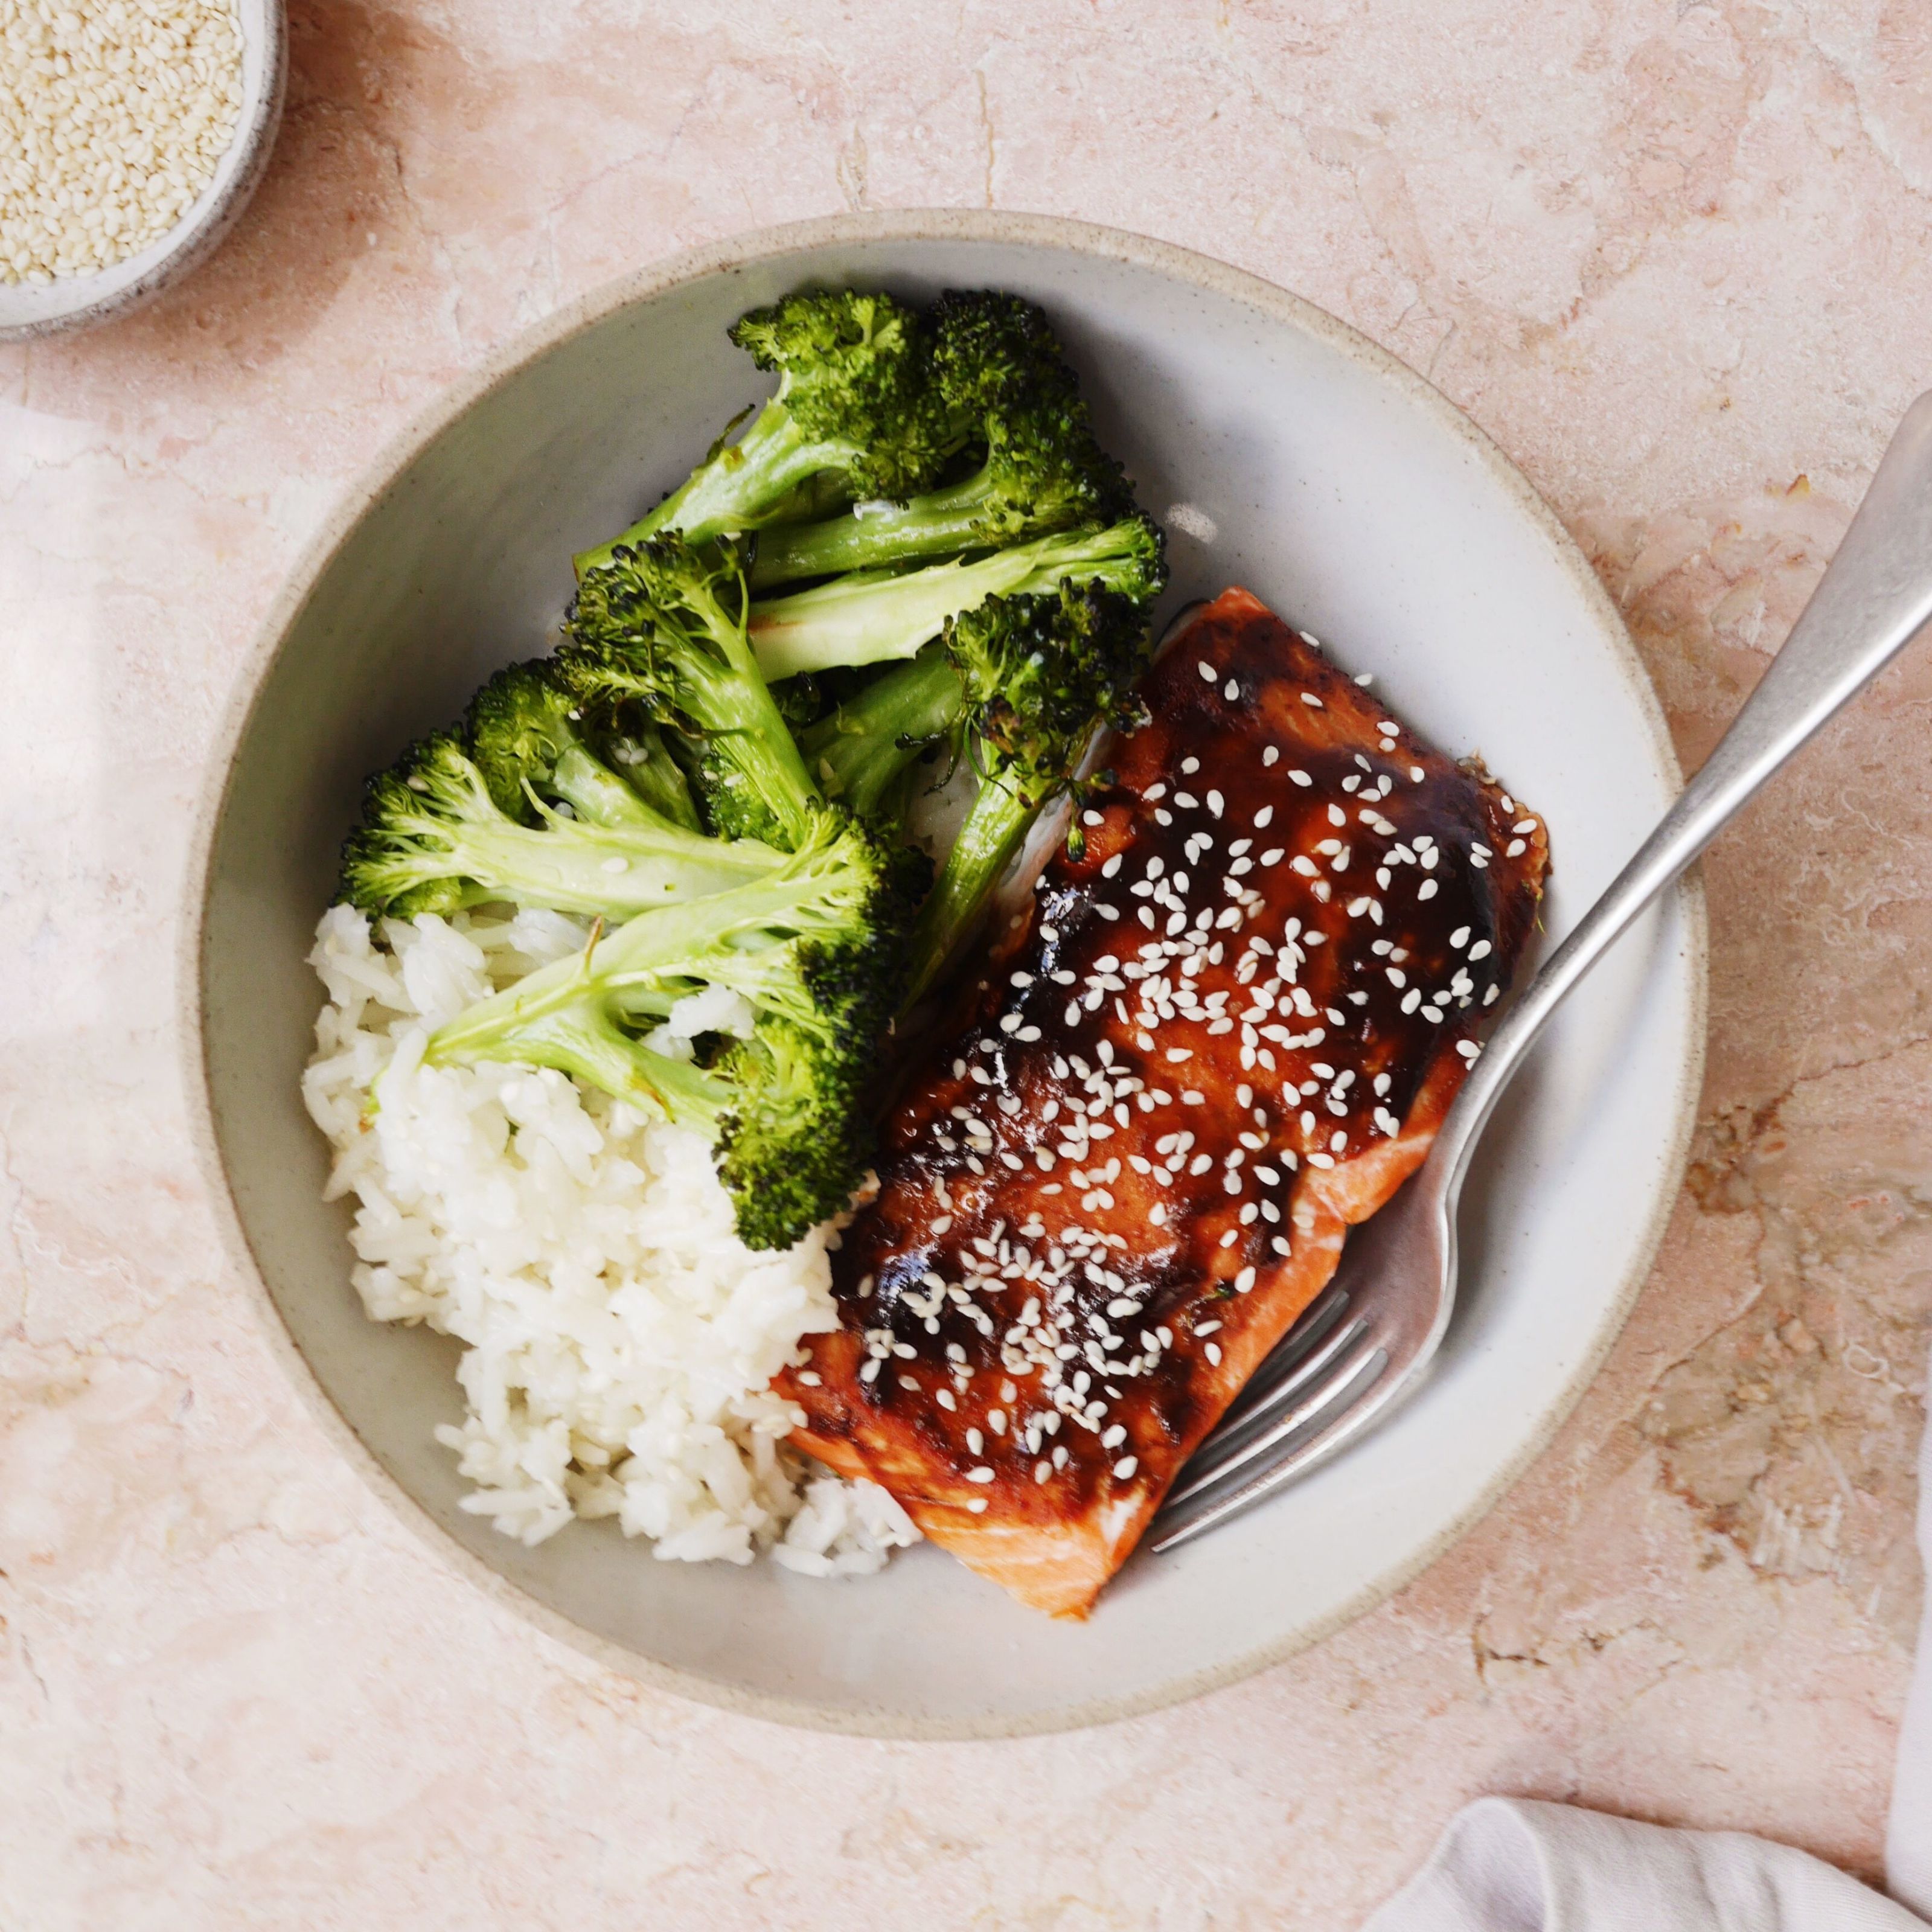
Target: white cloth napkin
x=1509, y=1865
x=1908, y=1840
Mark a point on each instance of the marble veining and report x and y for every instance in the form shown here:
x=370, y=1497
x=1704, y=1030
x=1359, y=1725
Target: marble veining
x=1675, y=258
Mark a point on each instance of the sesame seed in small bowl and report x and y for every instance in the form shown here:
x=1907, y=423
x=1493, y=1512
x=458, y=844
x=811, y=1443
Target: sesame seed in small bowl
x=132, y=134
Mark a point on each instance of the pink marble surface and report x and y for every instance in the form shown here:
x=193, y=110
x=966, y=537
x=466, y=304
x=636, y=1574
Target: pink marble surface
x=1677, y=258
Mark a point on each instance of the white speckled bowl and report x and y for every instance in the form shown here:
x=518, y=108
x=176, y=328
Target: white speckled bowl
x=1343, y=489
x=80, y=302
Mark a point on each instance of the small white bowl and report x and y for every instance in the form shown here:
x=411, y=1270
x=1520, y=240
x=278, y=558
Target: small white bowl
x=27, y=309
x=1286, y=453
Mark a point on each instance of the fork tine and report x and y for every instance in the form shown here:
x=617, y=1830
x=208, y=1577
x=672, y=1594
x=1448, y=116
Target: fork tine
x=1236, y=1490
x=1313, y=1323
x=1304, y=1394
x=1227, y=1443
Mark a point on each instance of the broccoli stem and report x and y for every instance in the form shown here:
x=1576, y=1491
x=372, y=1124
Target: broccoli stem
x=586, y=868
x=868, y=618
x=738, y=488
x=694, y=940
x=862, y=752
x=656, y=778
x=571, y=1014
x=579, y=1037
x=874, y=535
x=597, y=795
x=734, y=704
x=995, y=829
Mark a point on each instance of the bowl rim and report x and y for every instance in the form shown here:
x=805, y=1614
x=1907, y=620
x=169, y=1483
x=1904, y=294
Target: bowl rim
x=204, y=226
x=506, y=360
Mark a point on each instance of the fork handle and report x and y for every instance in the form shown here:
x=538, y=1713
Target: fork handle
x=1872, y=602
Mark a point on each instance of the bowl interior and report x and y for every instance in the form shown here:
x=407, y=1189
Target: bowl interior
x=1336, y=487
x=72, y=302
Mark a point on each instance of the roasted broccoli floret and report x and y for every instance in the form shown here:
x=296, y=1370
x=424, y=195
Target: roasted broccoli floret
x=1044, y=673
x=662, y=624
x=856, y=407
x=527, y=734
x=433, y=838
x=1000, y=369
x=815, y=953
x=870, y=617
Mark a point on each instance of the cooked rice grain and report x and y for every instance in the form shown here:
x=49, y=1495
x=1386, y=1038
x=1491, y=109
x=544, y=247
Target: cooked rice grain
x=618, y=1337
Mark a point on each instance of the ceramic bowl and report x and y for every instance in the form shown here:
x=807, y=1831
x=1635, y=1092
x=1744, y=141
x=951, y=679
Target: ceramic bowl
x=80, y=302
x=1286, y=453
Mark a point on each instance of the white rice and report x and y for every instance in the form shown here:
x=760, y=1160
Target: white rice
x=618, y=1337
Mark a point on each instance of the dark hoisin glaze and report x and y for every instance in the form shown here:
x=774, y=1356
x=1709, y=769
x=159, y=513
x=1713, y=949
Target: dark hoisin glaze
x=1032, y=1260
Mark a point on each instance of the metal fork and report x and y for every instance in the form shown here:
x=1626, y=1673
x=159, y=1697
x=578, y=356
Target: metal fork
x=1368, y=1340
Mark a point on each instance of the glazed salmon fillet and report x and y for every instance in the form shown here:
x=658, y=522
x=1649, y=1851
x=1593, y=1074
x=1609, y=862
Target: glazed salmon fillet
x=1226, y=1027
